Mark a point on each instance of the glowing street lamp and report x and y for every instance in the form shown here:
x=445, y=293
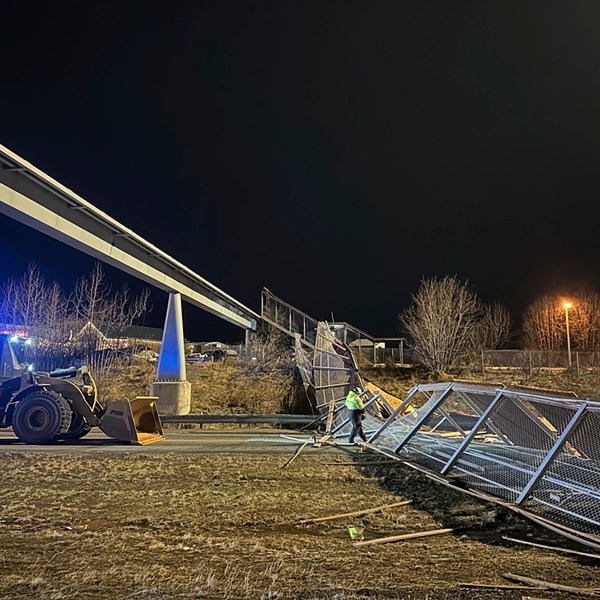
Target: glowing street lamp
x=567, y=306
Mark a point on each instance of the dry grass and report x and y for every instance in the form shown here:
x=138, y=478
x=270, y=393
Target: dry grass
x=124, y=381
x=398, y=381
x=219, y=387
x=222, y=526
x=228, y=387
x=158, y=527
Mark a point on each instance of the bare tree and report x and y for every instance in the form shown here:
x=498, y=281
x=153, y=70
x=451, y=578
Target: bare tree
x=30, y=299
x=9, y=313
x=543, y=326
x=97, y=310
x=584, y=318
x=31, y=305
x=493, y=328
x=441, y=322
x=55, y=323
x=37, y=309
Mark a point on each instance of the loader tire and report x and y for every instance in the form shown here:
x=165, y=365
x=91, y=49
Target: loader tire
x=79, y=428
x=41, y=417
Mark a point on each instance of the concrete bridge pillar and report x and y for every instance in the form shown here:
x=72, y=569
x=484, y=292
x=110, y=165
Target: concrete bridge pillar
x=171, y=386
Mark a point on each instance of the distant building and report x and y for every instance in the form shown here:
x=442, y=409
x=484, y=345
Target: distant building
x=110, y=337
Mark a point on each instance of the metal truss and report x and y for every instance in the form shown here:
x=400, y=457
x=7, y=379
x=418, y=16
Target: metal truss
x=534, y=451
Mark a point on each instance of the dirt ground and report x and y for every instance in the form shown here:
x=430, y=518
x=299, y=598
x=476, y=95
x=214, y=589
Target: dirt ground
x=102, y=521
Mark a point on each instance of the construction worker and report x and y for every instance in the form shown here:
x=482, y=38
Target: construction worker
x=356, y=409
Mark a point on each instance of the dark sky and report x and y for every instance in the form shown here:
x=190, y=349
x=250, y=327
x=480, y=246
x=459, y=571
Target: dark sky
x=334, y=152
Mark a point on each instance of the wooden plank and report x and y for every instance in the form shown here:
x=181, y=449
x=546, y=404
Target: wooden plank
x=356, y=513
x=291, y=460
x=407, y=536
x=555, y=548
x=324, y=440
x=498, y=586
x=550, y=586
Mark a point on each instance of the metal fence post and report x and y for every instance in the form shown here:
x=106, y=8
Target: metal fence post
x=482, y=363
x=393, y=416
x=423, y=418
x=457, y=454
x=549, y=458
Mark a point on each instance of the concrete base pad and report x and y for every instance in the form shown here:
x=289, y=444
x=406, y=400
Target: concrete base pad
x=174, y=397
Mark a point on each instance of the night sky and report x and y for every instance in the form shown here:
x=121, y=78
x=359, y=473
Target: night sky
x=334, y=152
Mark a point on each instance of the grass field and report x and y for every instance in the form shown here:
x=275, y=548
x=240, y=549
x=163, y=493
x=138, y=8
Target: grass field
x=172, y=526
x=225, y=526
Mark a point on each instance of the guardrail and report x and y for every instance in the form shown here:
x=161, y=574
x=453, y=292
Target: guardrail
x=273, y=419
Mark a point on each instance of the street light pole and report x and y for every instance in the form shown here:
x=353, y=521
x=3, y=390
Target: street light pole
x=567, y=306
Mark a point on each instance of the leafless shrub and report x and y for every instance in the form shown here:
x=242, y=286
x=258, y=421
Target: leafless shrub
x=269, y=350
x=493, y=327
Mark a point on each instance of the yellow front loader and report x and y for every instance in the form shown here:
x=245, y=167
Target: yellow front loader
x=44, y=408
x=136, y=421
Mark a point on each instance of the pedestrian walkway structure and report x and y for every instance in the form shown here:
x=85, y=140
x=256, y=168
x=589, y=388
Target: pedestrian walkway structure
x=32, y=197
x=534, y=451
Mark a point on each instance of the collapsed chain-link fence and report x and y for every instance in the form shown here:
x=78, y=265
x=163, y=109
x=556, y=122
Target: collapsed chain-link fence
x=534, y=451
x=531, y=450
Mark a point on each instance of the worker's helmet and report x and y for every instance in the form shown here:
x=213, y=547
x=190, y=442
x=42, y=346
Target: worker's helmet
x=359, y=390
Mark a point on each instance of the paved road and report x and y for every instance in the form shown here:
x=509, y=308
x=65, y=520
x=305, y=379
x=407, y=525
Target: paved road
x=182, y=441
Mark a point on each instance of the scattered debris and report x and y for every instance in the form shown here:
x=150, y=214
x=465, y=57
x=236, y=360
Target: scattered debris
x=407, y=536
x=356, y=533
x=357, y=513
x=362, y=463
x=556, y=548
x=300, y=448
x=498, y=586
x=546, y=585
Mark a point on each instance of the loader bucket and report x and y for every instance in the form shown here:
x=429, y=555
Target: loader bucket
x=136, y=421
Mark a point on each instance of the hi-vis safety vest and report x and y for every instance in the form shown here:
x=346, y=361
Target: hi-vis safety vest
x=353, y=401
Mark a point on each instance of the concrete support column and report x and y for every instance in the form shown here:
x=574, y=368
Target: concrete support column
x=247, y=343
x=173, y=390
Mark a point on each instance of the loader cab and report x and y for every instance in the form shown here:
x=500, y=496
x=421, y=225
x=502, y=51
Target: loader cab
x=12, y=356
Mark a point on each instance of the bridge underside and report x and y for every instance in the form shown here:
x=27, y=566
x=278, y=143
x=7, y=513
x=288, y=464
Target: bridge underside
x=32, y=197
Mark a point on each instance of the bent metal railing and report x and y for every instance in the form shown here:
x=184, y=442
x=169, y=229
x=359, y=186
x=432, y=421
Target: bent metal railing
x=535, y=451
